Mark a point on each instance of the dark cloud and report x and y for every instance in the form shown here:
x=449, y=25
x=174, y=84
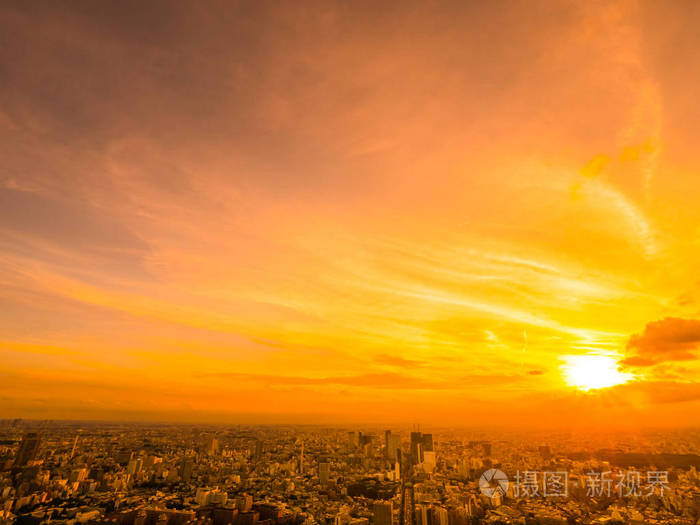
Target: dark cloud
x=670, y=339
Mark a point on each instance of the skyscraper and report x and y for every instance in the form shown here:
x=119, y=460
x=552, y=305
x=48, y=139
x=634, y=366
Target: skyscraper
x=354, y=440
x=134, y=466
x=393, y=446
x=417, y=447
x=383, y=513
x=28, y=449
x=427, y=442
x=440, y=516
x=324, y=472
x=422, y=515
x=429, y=461
x=257, y=456
x=244, y=502
x=212, y=446
x=124, y=456
x=186, y=469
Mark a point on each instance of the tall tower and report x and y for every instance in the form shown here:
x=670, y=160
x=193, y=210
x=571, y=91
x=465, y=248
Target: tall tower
x=416, y=447
x=393, y=446
x=28, y=449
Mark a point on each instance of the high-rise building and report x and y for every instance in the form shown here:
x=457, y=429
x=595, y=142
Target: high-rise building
x=396, y=469
x=355, y=440
x=429, y=461
x=383, y=513
x=77, y=474
x=186, y=467
x=134, y=466
x=212, y=446
x=392, y=442
x=440, y=516
x=124, y=456
x=416, y=448
x=324, y=472
x=28, y=449
x=244, y=502
x=421, y=512
x=257, y=456
x=202, y=496
x=393, y=447
x=427, y=443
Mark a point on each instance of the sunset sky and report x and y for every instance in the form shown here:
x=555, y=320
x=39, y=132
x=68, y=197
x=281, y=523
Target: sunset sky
x=350, y=211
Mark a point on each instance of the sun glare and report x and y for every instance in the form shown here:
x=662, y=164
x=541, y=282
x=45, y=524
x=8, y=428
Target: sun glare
x=589, y=372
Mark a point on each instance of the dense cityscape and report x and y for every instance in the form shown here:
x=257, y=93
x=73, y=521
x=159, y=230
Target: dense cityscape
x=160, y=474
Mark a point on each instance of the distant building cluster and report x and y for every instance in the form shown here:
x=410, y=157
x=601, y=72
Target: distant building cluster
x=135, y=474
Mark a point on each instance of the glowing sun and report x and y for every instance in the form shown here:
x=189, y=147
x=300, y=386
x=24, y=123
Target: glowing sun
x=588, y=372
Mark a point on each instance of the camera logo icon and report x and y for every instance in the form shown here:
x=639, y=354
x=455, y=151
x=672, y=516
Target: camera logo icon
x=493, y=481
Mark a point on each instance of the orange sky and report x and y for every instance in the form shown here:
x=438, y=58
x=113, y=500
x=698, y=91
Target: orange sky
x=328, y=212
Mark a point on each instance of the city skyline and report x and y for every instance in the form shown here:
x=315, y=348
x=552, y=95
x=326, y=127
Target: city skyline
x=460, y=214
x=144, y=474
